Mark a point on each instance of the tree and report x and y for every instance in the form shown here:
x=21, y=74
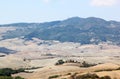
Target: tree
x=59, y=62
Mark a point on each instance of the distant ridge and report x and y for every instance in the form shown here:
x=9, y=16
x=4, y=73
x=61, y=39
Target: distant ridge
x=89, y=30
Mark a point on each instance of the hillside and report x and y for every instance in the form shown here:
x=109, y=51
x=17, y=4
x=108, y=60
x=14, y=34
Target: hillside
x=82, y=30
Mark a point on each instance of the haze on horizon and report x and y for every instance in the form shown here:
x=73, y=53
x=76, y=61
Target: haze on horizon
x=14, y=11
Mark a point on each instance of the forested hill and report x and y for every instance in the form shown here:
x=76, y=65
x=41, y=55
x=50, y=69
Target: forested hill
x=75, y=29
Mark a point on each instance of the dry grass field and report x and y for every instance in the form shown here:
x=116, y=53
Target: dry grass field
x=33, y=54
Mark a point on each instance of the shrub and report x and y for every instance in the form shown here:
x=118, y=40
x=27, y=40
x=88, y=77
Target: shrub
x=85, y=64
x=91, y=76
x=68, y=74
x=105, y=77
x=118, y=68
x=104, y=70
x=59, y=62
x=54, y=76
x=88, y=76
x=6, y=77
x=18, y=77
x=9, y=77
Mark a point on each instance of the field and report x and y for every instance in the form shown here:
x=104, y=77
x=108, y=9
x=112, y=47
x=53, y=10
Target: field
x=42, y=55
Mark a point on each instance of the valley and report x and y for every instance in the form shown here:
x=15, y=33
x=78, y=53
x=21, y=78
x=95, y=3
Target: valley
x=37, y=47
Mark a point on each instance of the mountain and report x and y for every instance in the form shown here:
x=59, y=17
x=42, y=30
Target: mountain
x=83, y=30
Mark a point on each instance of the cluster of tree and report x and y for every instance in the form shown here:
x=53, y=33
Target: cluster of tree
x=72, y=61
x=60, y=62
x=9, y=71
x=6, y=73
x=83, y=64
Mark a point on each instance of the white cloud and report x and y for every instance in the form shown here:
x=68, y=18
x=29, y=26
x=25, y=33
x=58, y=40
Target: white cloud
x=104, y=2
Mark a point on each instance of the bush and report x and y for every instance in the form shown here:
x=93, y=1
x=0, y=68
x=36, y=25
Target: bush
x=105, y=77
x=91, y=76
x=88, y=76
x=59, y=62
x=104, y=70
x=18, y=77
x=68, y=74
x=85, y=64
x=6, y=77
x=54, y=76
x=9, y=77
x=20, y=70
x=118, y=68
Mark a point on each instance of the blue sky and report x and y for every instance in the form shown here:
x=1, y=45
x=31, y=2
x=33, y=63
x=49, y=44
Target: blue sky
x=14, y=11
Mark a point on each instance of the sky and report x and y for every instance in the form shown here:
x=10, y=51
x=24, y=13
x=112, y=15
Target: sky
x=37, y=11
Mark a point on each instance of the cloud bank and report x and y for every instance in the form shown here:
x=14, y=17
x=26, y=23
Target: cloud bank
x=104, y=2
